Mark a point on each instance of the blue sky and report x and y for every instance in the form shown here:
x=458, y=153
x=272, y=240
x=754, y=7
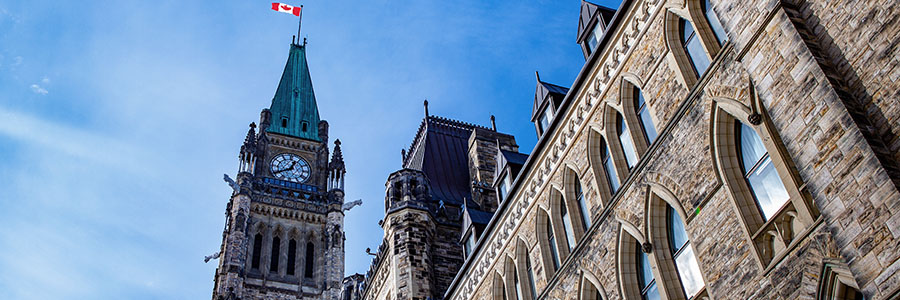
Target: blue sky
x=118, y=119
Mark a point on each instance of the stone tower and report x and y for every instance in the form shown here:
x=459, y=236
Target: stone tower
x=284, y=236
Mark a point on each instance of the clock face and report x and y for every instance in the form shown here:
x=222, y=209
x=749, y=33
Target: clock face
x=290, y=167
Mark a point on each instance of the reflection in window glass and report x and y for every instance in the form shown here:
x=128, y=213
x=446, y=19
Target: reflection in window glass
x=683, y=252
x=644, y=113
x=517, y=284
x=530, y=276
x=763, y=179
x=582, y=205
x=693, y=48
x=645, y=276
x=626, y=142
x=714, y=22
x=567, y=224
x=551, y=238
x=611, y=177
x=594, y=38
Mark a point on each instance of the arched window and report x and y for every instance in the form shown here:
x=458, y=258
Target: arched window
x=276, y=248
x=692, y=45
x=590, y=289
x=683, y=254
x=292, y=257
x=582, y=204
x=257, y=251
x=713, y=22
x=760, y=173
x=530, y=272
x=498, y=290
x=551, y=240
x=837, y=283
x=643, y=114
x=631, y=157
x=567, y=225
x=517, y=284
x=646, y=281
x=611, y=178
x=310, y=260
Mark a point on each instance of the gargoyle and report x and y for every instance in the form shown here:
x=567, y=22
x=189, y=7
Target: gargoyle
x=211, y=256
x=347, y=206
x=234, y=186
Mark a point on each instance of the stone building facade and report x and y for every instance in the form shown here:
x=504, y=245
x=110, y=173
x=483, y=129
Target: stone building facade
x=284, y=236
x=707, y=150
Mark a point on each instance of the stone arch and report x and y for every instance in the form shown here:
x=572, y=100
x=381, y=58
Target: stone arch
x=547, y=261
x=556, y=201
x=770, y=236
x=629, y=240
x=590, y=287
x=570, y=178
x=522, y=264
x=836, y=282
x=658, y=200
x=596, y=142
x=612, y=141
x=627, y=92
x=677, y=57
x=509, y=272
x=498, y=288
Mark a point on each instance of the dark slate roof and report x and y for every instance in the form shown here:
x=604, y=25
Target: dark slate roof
x=544, y=89
x=514, y=157
x=295, y=99
x=440, y=150
x=588, y=11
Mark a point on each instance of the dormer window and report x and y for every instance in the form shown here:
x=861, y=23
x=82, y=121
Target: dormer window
x=503, y=186
x=284, y=121
x=469, y=245
x=304, y=126
x=545, y=119
x=593, y=38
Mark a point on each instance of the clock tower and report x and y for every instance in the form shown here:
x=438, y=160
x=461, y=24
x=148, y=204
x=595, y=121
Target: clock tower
x=284, y=236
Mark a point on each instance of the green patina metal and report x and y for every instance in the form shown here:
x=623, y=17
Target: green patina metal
x=294, y=109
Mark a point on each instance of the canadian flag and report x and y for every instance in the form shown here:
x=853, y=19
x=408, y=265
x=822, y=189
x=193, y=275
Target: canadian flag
x=286, y=8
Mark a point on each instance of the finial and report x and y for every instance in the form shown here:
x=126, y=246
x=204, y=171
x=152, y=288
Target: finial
x=337, y=142
x=493, y=123
x=304, y=42
x=293, y=40
x=538, y=76
x=426, y=107
x=252, y=124
x=402, y=156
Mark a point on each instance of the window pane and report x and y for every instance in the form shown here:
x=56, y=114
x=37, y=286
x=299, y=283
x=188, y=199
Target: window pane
x=677, y=234
x=611, y=175
x=645, y=275
x=698, y=56
x=714, y=22
x=517, y=285
x=501, y=189
x=625, y=141
x=582, y=205
x=552, y=241
x=768, y=188
x=530, y=276
x=644, y=114
x=752, y=149
x=594, y=38
x=652, y=293
x=544, y=122
x=689, y=271
x=567, y=224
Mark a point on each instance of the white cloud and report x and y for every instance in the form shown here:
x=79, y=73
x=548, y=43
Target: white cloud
x=45, y=80
x=37, y=89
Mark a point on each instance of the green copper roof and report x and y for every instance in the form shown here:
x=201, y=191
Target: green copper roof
x=294, y=105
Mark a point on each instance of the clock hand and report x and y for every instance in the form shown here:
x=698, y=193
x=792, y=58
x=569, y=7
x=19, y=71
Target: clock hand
x=287, y=169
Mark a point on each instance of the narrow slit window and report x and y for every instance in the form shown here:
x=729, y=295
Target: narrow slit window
x=625, y=140
x=276, y=248
x=551, y=238
x=257, y=249
x=291, y=258
x=310, y=260
x=284, y=121
x=304, y=126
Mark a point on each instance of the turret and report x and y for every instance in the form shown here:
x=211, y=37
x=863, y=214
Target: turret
x=336, y=169
x=248, y=153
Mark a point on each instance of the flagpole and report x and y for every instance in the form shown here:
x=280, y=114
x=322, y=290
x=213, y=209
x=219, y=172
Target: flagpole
x=300, y=24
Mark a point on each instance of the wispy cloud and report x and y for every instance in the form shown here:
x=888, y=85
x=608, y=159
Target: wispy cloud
x=37, y=89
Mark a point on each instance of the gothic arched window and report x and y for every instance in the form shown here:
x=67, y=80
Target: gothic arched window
x=276, y=248
x=310, y=260
x=590, y=289
x=551, y=239
x=257, y=251
x=759, y=172
x=530, y=272
x=567, y=225
x=713, y=21
x=612, y=180
x=683, y=255
x=631, y=156
x=646, y=281
x=292, y=257
x=692, y=45
x=582, y=204
x=643, y=113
